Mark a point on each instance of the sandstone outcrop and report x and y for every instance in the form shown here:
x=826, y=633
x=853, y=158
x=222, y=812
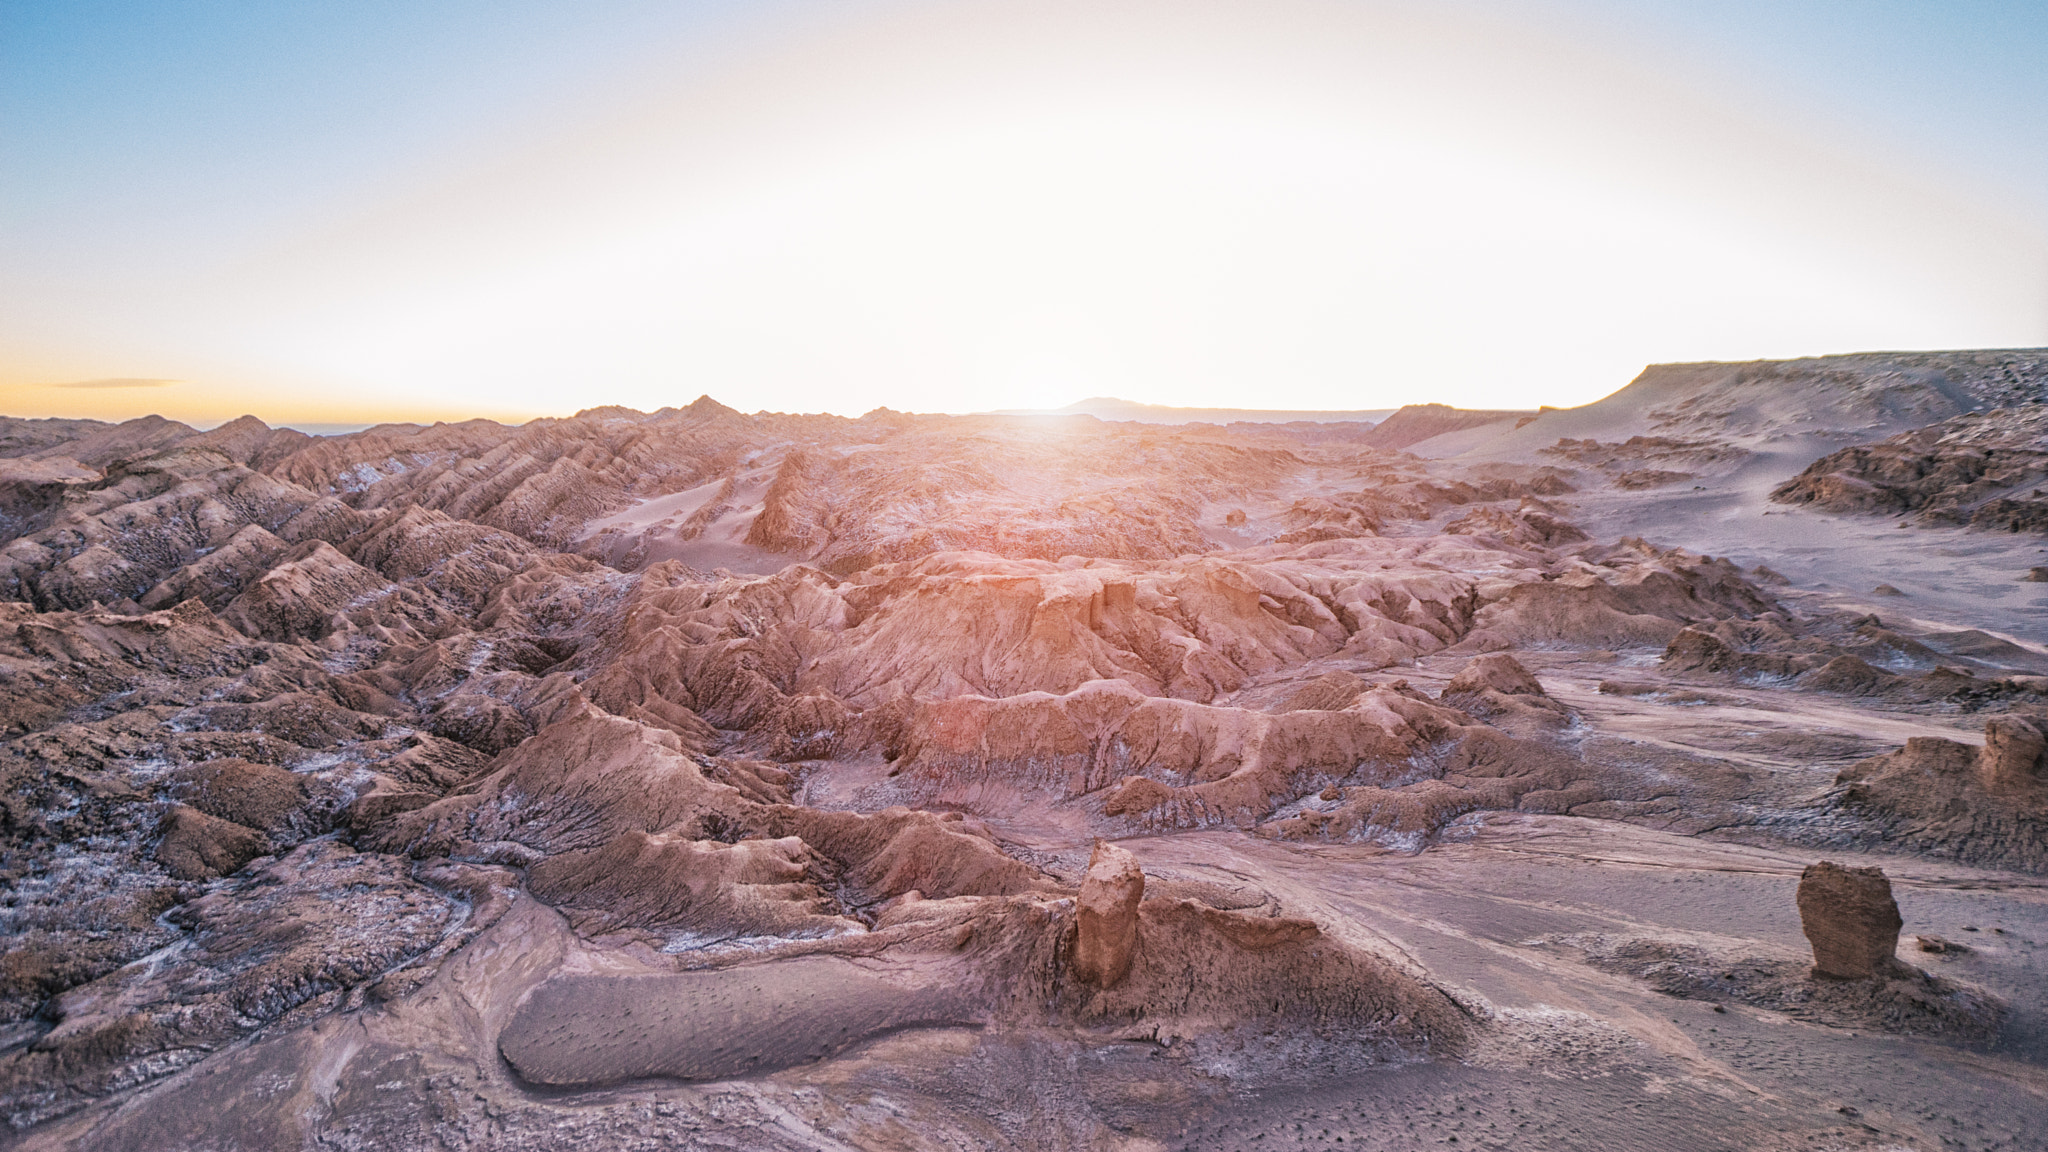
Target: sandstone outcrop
x=92, y=442
x=1498, y=673
x=1626, y=595
x=1651, y=461
x=1330, y=692
x=1638, y=478
x=1201, y=765
x=707, y=889
x=1849, y=916
x=2015, y=756
x=312, y=929
x=33, y=492
x=219, y=576
x=1984, y=804
x=1106, y=916
x=1882, y=389
x=1983, y=469
x=116, y=539
x=881, y=856
x=1525, y=526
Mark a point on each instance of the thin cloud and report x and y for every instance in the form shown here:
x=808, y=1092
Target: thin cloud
x=118, y=382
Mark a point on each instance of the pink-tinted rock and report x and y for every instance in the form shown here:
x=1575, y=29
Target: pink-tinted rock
x=1495, y=671
x=1108, y=914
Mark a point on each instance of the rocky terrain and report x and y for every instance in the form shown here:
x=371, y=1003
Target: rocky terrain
x=1983, y=469
x=709, y=780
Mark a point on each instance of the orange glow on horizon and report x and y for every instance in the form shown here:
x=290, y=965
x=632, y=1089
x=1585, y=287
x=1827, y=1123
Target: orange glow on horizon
x=972, y=206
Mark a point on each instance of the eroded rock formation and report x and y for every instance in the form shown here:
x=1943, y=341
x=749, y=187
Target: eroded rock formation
x=1849, y=916
x=2015, y=756
x=697, y=745
x=1985, y=803
x=1106, y=916
x=1984, y=469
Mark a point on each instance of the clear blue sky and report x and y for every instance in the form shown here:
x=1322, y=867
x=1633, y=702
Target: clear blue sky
x=172, y=114
x=1961, y=82
x=172, y=122
x=141, y=141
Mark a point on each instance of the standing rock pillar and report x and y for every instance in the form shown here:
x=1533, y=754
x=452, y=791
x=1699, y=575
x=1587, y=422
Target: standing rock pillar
x=2015, y=753
x=1852, y=921
x=1108, y=913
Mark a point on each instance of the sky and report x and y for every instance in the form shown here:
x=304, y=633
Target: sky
x=440, y=209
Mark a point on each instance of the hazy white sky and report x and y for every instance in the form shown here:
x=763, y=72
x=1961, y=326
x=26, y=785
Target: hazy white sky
x=970, y=205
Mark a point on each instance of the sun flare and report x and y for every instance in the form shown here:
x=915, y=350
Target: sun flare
x=966, y=207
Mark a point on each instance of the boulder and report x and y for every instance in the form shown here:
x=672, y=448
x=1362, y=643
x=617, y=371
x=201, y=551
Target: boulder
x=1849, y=916
x=1108, y=915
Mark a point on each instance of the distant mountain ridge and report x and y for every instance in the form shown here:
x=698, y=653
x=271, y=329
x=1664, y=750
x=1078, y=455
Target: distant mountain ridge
x=1111, y=408
x=1808, y=405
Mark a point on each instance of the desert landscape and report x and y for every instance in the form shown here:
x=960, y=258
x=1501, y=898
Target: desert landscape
x=1666, y=772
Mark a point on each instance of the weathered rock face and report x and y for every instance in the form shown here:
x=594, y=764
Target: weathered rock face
x=2015, y=755
x=1326, y=693
x=88, y=441
x=1983, y=469
x=1851, y=919
x=1526, y=526
x=118, y=538
x=1650, y=461
x=708, y=889
x=1106, y=510
x=295, y=936
x=1203, y=765
x=1628, y=594
x=33, y=492
x=1107, y=916
x=1887, y=390
x=1977, y=804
